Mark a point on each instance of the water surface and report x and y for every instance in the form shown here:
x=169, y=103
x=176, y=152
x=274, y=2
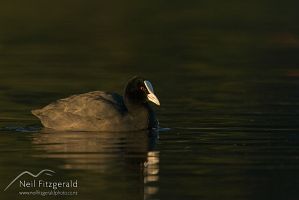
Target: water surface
x=226, y=75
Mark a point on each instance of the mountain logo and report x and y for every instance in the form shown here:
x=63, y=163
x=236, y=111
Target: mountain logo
x=47, y=172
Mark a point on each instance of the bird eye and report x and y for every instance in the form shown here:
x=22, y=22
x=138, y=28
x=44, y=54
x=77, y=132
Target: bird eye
x=142, y=88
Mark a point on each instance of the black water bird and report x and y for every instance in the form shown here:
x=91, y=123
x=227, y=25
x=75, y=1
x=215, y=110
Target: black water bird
x=103, y=111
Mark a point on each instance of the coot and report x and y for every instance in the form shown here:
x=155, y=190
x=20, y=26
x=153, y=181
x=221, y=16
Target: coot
x=103, y=111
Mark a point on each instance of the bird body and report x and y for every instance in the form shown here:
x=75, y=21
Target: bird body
x=101, y=111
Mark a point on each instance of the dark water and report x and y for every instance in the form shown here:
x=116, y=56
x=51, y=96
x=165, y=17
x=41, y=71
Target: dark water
x=226, y=73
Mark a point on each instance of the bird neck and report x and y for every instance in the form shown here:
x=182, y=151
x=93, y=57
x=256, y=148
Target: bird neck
x=134, y=106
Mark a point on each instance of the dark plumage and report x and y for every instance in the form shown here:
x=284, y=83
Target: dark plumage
x=103, y=111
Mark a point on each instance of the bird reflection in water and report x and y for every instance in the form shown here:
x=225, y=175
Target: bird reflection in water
x=151, y=174
x=106, y=152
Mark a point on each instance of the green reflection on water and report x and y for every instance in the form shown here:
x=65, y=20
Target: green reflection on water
x=217, y=67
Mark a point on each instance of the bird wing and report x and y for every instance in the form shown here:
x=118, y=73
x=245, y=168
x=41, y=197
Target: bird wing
x=95, y=105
